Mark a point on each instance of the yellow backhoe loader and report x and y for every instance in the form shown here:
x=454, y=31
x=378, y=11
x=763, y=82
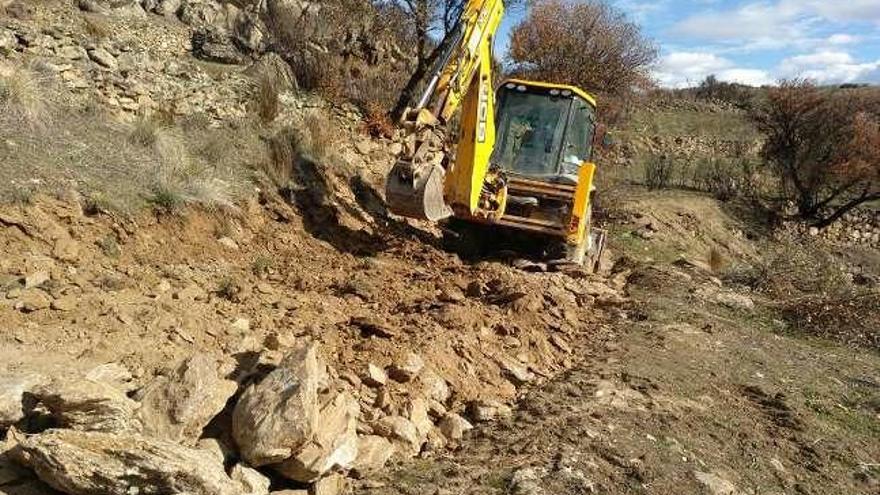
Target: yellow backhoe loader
x=523, y=158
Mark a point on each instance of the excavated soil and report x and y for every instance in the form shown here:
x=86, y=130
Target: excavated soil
x=149, y=291
x=697, y=392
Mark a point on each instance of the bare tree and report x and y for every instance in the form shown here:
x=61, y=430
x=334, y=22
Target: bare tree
x=823, y=145
x=586, y=43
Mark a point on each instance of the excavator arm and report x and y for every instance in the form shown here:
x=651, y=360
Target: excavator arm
x=423, y=184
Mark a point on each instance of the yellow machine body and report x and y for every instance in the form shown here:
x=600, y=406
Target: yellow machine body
x=536, y=175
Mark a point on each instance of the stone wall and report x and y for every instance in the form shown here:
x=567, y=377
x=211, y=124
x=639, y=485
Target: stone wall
x=856, y=228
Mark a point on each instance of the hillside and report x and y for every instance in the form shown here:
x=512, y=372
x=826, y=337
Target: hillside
x=202, y=291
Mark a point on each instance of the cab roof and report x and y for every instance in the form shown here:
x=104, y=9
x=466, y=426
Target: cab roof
x=540, y=84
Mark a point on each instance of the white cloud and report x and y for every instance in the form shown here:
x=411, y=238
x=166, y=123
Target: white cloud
x=762, y=23
x=830, y=67
x=751, y=77
x=777, y=24
x=849, y=10
x=842, y=39
x=682, y=69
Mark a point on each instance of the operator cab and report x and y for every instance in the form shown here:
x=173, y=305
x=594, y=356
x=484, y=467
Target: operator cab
x=544, y=131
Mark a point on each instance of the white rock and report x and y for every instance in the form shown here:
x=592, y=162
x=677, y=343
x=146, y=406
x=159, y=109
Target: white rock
x=375, y=376
x=406, y=368
x=333, y=445
x=252, y=481
x=401, y=432
x=35, y=279
x=103, y=58
x=275, y=418
x=87, y=405
x=373, y=452
x=454, y=426
x=715, y=483
x=12, y=396
x=330, y=485
x=95, y=462
x=177, y=407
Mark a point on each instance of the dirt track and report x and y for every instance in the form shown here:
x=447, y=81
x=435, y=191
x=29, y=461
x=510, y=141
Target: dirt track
x=689, y=396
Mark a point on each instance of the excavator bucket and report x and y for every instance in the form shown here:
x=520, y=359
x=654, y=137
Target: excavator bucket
x=417, y=191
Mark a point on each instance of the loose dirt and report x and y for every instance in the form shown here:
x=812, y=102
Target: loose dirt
x=695, y=391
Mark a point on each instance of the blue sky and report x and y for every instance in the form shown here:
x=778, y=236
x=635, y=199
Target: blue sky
x=755, y=42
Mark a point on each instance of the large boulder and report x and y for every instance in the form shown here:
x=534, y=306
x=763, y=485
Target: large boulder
x=292, y=422
x=276, y=417
x=85, y=463
x=333, y=445
x=14, y=393
x=82, y=404
x=177, y=407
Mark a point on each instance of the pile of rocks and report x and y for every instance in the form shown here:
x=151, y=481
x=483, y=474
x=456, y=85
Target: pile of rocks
x=138, y=56
x=859, y=227
x=294, y=424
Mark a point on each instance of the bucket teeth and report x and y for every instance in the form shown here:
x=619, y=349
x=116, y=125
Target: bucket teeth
x=417, y=192
x=415, y=185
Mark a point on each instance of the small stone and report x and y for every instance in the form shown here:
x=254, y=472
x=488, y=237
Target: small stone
x=418, y=415
x=163, y=287
x=373, y=452
x=71, y=52
x=735, y=301
x=364, y=146
x=407, y=368
x=330, y=485
x=372, y=326
x=454, y=426
x=401, y=432
x=252, y=481
x=66, y=303
x=36, y=279
x=228, y=243
x=375, y=376
x=241, y=324
x=278, y=340
x=32, y=300
x=525, y=481
x=516, y=371
x=715, y=484
x=488, y=410
x=103, y=58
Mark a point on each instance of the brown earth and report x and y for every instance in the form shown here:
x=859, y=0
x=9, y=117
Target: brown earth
x=704, y=388
x=150, y=291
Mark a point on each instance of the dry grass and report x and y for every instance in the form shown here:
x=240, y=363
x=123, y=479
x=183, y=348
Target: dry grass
x=377, y=123
x=282, y=152
x=717, y=262
x=266, y=99
x=23, y=98
x=146, y=130
x=179, y=178
x=317, y=139
x=96, y=29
